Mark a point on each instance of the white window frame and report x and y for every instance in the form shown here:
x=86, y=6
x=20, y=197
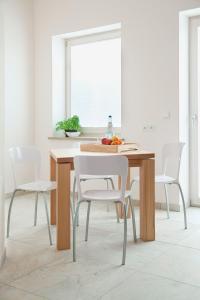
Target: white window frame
x=78, y=41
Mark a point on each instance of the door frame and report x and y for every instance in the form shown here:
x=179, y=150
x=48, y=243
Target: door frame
x=194, y=112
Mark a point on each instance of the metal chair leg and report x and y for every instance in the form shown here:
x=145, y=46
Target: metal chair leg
x=112, y=183
x=132, y=184
x=107, y=186
x=133, y=220
x=47, y=215
x=77, y=220
x=117, y=213
x=74, y=231
x=125, y=235
x=167, y=201
x=9, y=213
x=36, y=206
x=87, y=221
x=184, y=207
x=73, y=200
x=116, y=207
x=72, y=210
x=73, y=194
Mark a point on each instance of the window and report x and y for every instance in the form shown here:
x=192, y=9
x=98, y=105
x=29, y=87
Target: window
x=94, y=79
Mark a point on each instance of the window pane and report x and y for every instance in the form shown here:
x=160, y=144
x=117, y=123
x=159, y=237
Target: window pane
x=96, y=82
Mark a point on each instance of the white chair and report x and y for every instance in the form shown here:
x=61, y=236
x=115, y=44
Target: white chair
x=103, y=165
x=29, y=156
x=171, y=158
x=83, y=178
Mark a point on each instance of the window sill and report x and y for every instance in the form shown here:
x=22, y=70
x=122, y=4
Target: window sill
x=78, y=138
x=88, y=134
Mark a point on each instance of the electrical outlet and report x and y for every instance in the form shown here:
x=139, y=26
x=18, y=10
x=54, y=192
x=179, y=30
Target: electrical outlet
x=148, y=128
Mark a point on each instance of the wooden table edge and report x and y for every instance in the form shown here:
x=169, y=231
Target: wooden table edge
x=132, y=157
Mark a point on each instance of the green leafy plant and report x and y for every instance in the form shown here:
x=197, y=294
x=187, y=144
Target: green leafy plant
x=69, y=125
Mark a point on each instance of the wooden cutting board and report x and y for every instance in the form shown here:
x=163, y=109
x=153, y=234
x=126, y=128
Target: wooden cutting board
x=108, y=148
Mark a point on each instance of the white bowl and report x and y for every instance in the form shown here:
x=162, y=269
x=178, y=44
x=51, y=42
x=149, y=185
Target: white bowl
x=73, y=134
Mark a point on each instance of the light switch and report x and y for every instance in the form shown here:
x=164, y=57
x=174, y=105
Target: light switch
x=148, y=127
x=167, y=116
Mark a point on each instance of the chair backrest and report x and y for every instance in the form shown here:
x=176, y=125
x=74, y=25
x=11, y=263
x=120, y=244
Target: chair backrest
x=102, y=165
x=26, y=156
x=171, y=158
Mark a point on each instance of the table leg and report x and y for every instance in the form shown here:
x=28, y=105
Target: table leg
x=63, y=205
x=147, y=200
x=53, y=193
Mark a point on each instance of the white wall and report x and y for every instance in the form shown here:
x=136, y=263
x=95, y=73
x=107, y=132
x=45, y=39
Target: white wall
x=2, y=233
x=150, y=71
x=19, y=78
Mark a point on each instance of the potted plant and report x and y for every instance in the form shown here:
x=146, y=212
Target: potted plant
x=71, y=126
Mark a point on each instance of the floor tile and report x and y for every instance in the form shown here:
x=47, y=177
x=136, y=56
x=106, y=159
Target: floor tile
x=109, y=250
x=80, y=279
x=178, y=263
x=173, y=231
x=11, y=293
x=192, y=241
x=23, y=259
x=141, y=286
x=167, y=268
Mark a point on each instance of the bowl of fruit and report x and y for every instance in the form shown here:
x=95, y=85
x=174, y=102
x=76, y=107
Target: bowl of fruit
x=109, y=145
x=115, y=140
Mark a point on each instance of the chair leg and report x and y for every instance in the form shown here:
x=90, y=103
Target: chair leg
x=73, y=200
x=116, y=207
x=132, y=184
x=117, y=214
x=112, y=183
x=36, y=207
x=74, y=231
x=107, y=186
x=73, y=194
x=72, y=210
x=47, y=216
x=167, y=199
x=184, y=207
x=125, y=235
x=133, y=220
x=87, y=221
x=9, y=213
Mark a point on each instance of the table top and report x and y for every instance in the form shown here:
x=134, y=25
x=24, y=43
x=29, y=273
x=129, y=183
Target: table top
x=67, y=154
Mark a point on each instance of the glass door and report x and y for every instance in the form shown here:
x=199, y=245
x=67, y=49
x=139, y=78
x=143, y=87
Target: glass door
x=194, y=110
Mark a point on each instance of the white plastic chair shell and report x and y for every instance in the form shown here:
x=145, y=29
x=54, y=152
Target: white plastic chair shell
x=26, y=155
x=84, y=178
x=102, y=166
x=171, y=154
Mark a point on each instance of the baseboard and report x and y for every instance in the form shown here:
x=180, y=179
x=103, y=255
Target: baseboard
x=162, y=206
x=2, y=258
x=195, y=205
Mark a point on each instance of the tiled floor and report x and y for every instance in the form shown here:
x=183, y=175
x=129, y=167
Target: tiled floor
x=168, y=268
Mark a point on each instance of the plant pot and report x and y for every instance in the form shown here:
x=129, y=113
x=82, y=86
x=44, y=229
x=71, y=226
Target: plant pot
x=72, y=133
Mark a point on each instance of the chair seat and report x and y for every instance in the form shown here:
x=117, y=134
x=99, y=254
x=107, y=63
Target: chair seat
x=92, y=177
x=160, y=179
x=38, y=186
x=103, y=195
x=164, y=179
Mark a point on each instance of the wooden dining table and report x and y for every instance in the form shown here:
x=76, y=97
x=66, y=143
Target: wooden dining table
x=61, y=165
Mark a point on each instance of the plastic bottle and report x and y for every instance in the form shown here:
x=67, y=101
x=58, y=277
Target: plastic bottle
x=109, y=132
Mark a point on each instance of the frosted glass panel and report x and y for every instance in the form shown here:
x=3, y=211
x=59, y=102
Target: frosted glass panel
x=96, y=82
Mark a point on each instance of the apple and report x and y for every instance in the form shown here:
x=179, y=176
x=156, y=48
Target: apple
x=106, y=141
